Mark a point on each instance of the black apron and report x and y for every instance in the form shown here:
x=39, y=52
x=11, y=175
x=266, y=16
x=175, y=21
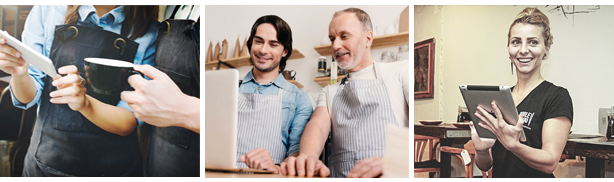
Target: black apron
x=175, y=151
x=64, y=142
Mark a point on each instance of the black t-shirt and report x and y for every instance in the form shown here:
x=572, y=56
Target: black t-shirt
x=544, y=102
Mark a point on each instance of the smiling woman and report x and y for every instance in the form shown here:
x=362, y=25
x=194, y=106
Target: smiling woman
x=533, y=28
x=546, y=110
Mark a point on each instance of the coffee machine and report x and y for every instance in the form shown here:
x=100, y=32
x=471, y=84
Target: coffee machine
x=603, y=120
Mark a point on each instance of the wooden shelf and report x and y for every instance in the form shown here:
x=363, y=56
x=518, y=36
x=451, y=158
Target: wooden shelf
x=378, y=42
x=323, y=81
x=299, y=85
x=244, y=61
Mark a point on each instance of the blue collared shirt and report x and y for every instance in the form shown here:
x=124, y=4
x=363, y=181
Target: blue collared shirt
x=296, y=109
x=39, y=30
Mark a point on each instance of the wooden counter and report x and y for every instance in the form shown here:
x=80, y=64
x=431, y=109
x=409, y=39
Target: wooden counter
x=210, y=174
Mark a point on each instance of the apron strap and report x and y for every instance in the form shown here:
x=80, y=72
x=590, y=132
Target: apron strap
x=280, y=92
x=378, y=74
x=345, y=78
x=174, y=12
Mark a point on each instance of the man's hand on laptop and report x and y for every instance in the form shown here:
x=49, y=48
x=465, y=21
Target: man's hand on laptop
x=260, y=159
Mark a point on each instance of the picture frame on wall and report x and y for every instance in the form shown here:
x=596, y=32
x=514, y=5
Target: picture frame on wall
x=424, y=67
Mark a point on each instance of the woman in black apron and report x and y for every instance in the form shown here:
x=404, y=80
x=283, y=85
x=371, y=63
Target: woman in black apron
x=98, y=140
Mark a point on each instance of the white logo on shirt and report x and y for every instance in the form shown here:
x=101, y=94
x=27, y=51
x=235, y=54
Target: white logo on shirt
x=527, y=117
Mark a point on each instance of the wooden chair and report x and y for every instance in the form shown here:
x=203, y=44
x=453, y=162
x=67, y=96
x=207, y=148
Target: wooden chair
x=15, y=130
x=469, y=167
x=430, y=165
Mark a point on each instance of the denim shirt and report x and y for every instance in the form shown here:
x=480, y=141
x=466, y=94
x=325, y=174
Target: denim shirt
x=39, y=31
x=296, y=109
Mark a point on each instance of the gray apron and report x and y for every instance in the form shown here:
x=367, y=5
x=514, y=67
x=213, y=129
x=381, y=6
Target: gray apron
x=360, y=112
x=66, y=143
x=259, y=125
x=175, y=151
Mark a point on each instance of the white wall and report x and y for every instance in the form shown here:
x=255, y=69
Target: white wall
x=471, y=49
x=474, y=52
x=428, y=24
x=308, y=23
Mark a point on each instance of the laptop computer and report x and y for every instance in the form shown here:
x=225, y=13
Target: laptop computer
x=221, y=114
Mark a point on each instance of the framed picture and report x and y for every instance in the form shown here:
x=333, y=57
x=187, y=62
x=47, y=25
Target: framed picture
x=424, y=67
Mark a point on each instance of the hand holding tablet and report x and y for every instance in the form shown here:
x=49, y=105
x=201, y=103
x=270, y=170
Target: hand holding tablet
x=484, y=96
x=28, y=54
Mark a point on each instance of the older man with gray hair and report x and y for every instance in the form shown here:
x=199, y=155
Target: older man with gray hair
x=356, y=110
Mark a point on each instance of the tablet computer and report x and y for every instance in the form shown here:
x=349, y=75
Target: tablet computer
x=31, y=56
x=483, y=96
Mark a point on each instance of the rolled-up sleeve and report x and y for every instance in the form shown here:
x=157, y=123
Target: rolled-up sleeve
x=38, y=76
x=302, y=116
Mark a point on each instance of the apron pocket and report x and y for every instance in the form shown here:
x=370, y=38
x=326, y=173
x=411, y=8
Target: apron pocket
x=70, y=121
x=49, y=171
x=182, y=81
x=176, y=135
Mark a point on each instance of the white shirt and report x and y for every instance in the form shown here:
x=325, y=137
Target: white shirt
x=396, y=79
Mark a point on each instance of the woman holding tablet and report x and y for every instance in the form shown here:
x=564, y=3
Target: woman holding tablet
x=79, y=132
x=545, y=110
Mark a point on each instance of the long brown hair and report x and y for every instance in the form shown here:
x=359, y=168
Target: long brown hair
x=137, y=22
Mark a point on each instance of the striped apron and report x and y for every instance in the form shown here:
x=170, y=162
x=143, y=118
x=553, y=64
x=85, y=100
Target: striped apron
x=259, y=125
x=360, y=112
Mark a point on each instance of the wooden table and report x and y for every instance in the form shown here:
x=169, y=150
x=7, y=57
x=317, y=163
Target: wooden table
x=596, y=148
x=210, y=174
x=448, y=135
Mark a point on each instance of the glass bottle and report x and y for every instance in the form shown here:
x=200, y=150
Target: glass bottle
x=403, y=53
x=387, y=57
x=333, y=72
x=321, y=67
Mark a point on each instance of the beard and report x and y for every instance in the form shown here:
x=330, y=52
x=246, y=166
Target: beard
x=349, y=64
x=262, y=68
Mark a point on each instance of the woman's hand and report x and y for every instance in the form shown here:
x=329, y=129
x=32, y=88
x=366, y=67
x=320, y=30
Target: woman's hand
x=11, y=61
x=71, y=89
x=508, y=135
x=480, y=144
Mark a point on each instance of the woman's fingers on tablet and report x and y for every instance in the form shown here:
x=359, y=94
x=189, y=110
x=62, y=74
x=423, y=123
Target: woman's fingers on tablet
x=485, y=121
x=500, y=118
x=486, y=127
x=488, y=120
x=5, y=48
x=7, y=53
x=484, y=115
x=474, y=133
